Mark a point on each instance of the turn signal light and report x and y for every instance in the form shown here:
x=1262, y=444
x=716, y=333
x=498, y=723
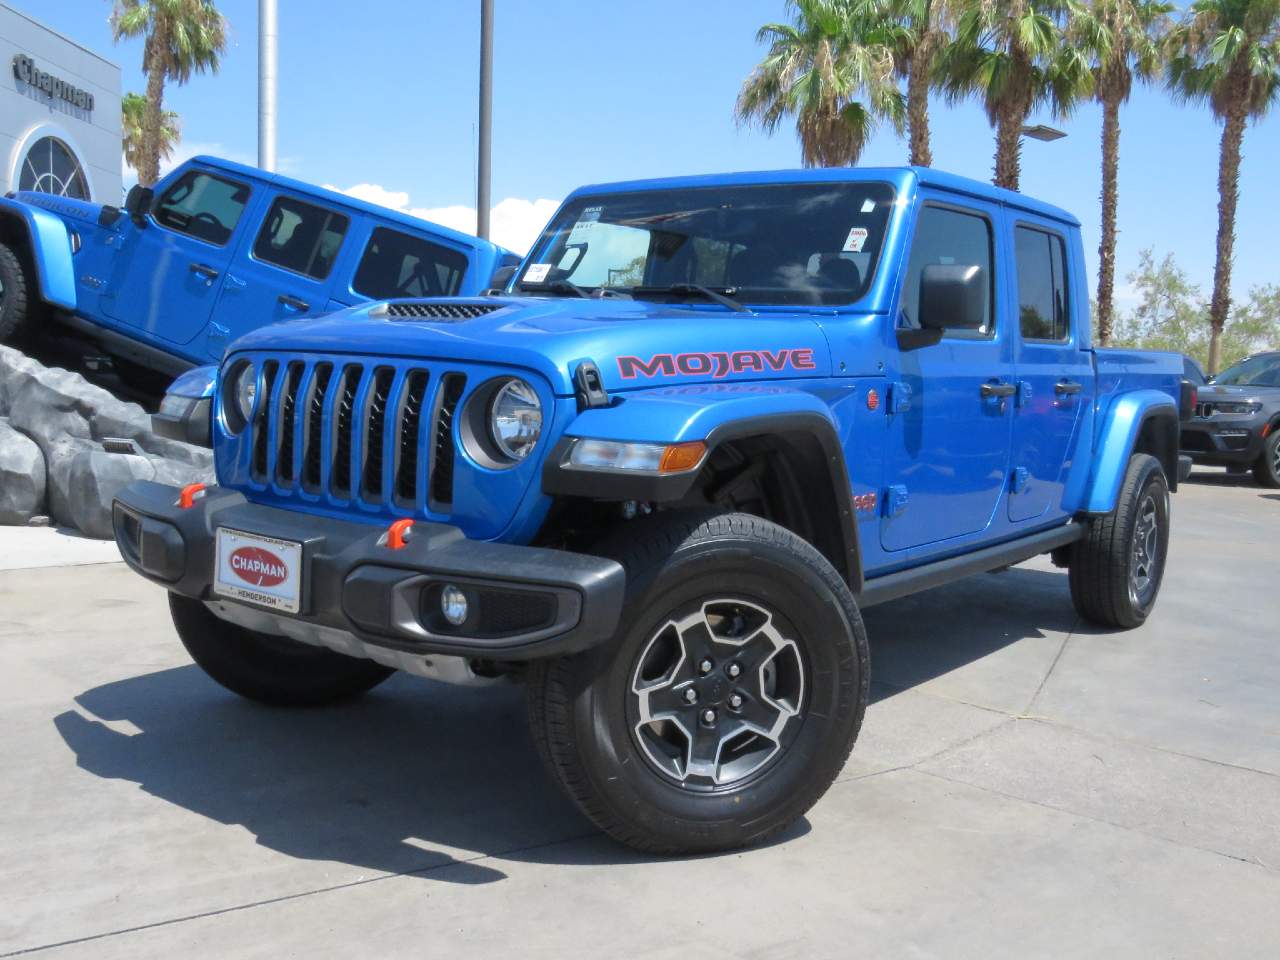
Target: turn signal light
x=622, y=455
x=682, y=456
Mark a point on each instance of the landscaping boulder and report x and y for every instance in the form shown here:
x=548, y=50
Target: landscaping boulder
x=22, y=477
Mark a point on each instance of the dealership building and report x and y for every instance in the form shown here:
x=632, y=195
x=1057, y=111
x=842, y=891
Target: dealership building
x=59, y=114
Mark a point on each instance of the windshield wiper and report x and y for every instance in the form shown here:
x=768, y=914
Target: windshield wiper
x=559, y=286
x=696, y=288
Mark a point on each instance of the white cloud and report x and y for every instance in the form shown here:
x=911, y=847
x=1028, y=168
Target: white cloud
x=514, y=223
x=183, y=152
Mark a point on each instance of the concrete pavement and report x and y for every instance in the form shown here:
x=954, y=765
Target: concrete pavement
x=1024, y=786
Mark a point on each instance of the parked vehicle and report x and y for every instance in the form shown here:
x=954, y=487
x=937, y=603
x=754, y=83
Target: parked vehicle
x=214, y=251
x=1237, y=419
x=711, y=420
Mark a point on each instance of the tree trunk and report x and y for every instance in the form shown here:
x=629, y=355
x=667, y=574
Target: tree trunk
x=153, y=116
x=1107, y=248
x=918, y=104
x=1228, y=194
x=1009, y=149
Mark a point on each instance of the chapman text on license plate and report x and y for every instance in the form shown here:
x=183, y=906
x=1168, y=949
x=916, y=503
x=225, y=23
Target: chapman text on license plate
x=260, y=570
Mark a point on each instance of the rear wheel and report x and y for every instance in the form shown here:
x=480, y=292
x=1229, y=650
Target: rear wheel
x=729, y=700
x=1266, y=469
x=14, y=290
x=267, y=668
x=1116, y=570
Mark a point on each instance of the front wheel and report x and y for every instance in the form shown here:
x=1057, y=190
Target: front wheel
x=266, y=668
x=730, y=698
x=1116, y=570
x=14, y=291
x=1266, y=469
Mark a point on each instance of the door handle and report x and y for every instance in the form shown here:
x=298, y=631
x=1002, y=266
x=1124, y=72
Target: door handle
x=294, y=302
x=1066, y=387
x=997, y=390
x=204, y=270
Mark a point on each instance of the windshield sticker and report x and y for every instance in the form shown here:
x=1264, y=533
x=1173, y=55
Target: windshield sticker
x=581, y=231
x=853, y=243
x=537, y=272
x=716, y=364
x=868, y=205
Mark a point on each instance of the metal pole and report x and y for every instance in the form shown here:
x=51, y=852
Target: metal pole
x=267, y=73
x=486, y=119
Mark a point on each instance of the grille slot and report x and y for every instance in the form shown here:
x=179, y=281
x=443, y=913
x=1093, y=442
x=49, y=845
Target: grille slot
x=427, y=310
x=287, y=420
x=261, y=435
x=442, y=452
x=343, y=423
x=412, y=397
x=375, y=421
x=317, y=394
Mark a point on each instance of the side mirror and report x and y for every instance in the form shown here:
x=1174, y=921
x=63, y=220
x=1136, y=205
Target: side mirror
x=502, y=276
x=138, y=203
x=953, y=297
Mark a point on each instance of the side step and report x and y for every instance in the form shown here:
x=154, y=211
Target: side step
x=891, y=586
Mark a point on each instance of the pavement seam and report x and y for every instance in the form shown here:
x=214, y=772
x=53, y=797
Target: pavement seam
x=1086, y=816
x=1053, y=666
x=271, y=901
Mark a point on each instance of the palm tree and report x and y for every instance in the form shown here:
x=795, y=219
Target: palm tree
x=132, y=112
x=1123, y=37
x=1227, y=52
x=182, y=37
x=917, y=30
x=1013, y=55
x=814, y=70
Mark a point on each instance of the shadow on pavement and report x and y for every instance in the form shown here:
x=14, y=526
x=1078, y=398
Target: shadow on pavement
x=416, y=775
x=1222, y=479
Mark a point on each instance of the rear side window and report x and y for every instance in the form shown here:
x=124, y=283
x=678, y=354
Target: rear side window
x=397, y=265
x=301, y=237
x=953, y=238
x=1042, y=285
x=202, y=206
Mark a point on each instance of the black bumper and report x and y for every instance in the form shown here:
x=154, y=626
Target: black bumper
x=1237, y=440
x=524, y=602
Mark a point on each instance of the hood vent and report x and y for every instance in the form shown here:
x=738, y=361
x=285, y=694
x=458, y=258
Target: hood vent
x=449, y=312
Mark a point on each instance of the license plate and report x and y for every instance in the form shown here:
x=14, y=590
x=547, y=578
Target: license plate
x=260, y=570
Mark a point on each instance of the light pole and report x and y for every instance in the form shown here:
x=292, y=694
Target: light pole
x=486, y=119
x=267, y=71
x=1042, y=132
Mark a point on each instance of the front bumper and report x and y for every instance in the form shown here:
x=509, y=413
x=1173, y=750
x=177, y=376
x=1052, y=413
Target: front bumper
x=1223, y=440
x=528, y=602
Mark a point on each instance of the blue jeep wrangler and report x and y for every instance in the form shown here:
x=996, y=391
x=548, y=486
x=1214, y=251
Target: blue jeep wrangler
x=709, y=420
x=215, y=250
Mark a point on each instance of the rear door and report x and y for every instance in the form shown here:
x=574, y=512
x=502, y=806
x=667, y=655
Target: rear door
x=168, y=275
x=284, y=271
x=1053, y=368
x=947, y=449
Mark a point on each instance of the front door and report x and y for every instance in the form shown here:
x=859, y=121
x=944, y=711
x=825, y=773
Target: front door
x=1055, y=375
x=950, y=401
x=168, y=274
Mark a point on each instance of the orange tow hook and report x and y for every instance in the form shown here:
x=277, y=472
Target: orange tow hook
x=398, y=534
x=187, y=499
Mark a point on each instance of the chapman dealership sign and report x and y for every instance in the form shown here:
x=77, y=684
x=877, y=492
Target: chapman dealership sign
x=25, y=69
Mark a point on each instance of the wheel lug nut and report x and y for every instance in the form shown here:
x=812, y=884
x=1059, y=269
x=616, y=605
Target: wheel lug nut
x=735, y=700
x=734, y=671
x=708, y=716
x=691, y=695
x=705, y=666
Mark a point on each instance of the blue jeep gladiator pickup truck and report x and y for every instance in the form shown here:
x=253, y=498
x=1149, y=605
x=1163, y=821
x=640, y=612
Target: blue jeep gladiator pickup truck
x=215, y=250
x=708, y=421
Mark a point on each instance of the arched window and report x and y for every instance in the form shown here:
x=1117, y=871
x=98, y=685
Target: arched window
x=51, y=167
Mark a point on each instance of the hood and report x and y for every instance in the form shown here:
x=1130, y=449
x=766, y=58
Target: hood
x=1221, y=391
x=635, y=343
x=81, y=210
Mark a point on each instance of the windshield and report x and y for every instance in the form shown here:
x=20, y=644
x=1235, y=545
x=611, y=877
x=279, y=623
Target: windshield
x=1253, y=372
x=814, y=243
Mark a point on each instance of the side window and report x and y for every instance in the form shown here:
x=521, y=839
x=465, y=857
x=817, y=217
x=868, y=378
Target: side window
x=300, y=237
x=398, y=265
x=202, y=206
x=1042, y=285
x=947, y=237
x=1191, y=370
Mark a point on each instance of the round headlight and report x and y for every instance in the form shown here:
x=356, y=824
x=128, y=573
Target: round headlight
x=515, y=419
x=241, y=390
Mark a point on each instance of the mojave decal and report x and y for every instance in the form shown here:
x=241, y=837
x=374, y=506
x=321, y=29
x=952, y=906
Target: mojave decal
x=717, y=364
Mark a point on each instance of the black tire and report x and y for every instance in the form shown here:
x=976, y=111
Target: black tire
x=1108, y=585
x=1266, y=470
x=14, y=291
x=269, y=669
x=582, y=708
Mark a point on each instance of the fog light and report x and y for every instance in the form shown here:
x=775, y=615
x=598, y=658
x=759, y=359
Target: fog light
x=453, y=604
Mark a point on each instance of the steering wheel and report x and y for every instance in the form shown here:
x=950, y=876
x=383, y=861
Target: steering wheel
x=208, y=218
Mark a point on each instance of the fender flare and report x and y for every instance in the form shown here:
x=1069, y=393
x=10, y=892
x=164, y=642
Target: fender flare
x=814, y=423
x=48, y=247
x=1126, y=419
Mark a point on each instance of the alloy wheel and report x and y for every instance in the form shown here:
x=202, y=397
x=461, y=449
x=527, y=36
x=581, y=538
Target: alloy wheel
x=1144, y=565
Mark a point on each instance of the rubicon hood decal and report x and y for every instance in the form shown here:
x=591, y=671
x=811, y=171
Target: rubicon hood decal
x=717, y=364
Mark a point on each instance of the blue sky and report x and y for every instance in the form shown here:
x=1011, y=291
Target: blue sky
x=383, y=94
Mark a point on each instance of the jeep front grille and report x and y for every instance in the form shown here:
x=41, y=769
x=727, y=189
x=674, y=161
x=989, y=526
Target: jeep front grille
x=427, y=310
x=379, y=433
